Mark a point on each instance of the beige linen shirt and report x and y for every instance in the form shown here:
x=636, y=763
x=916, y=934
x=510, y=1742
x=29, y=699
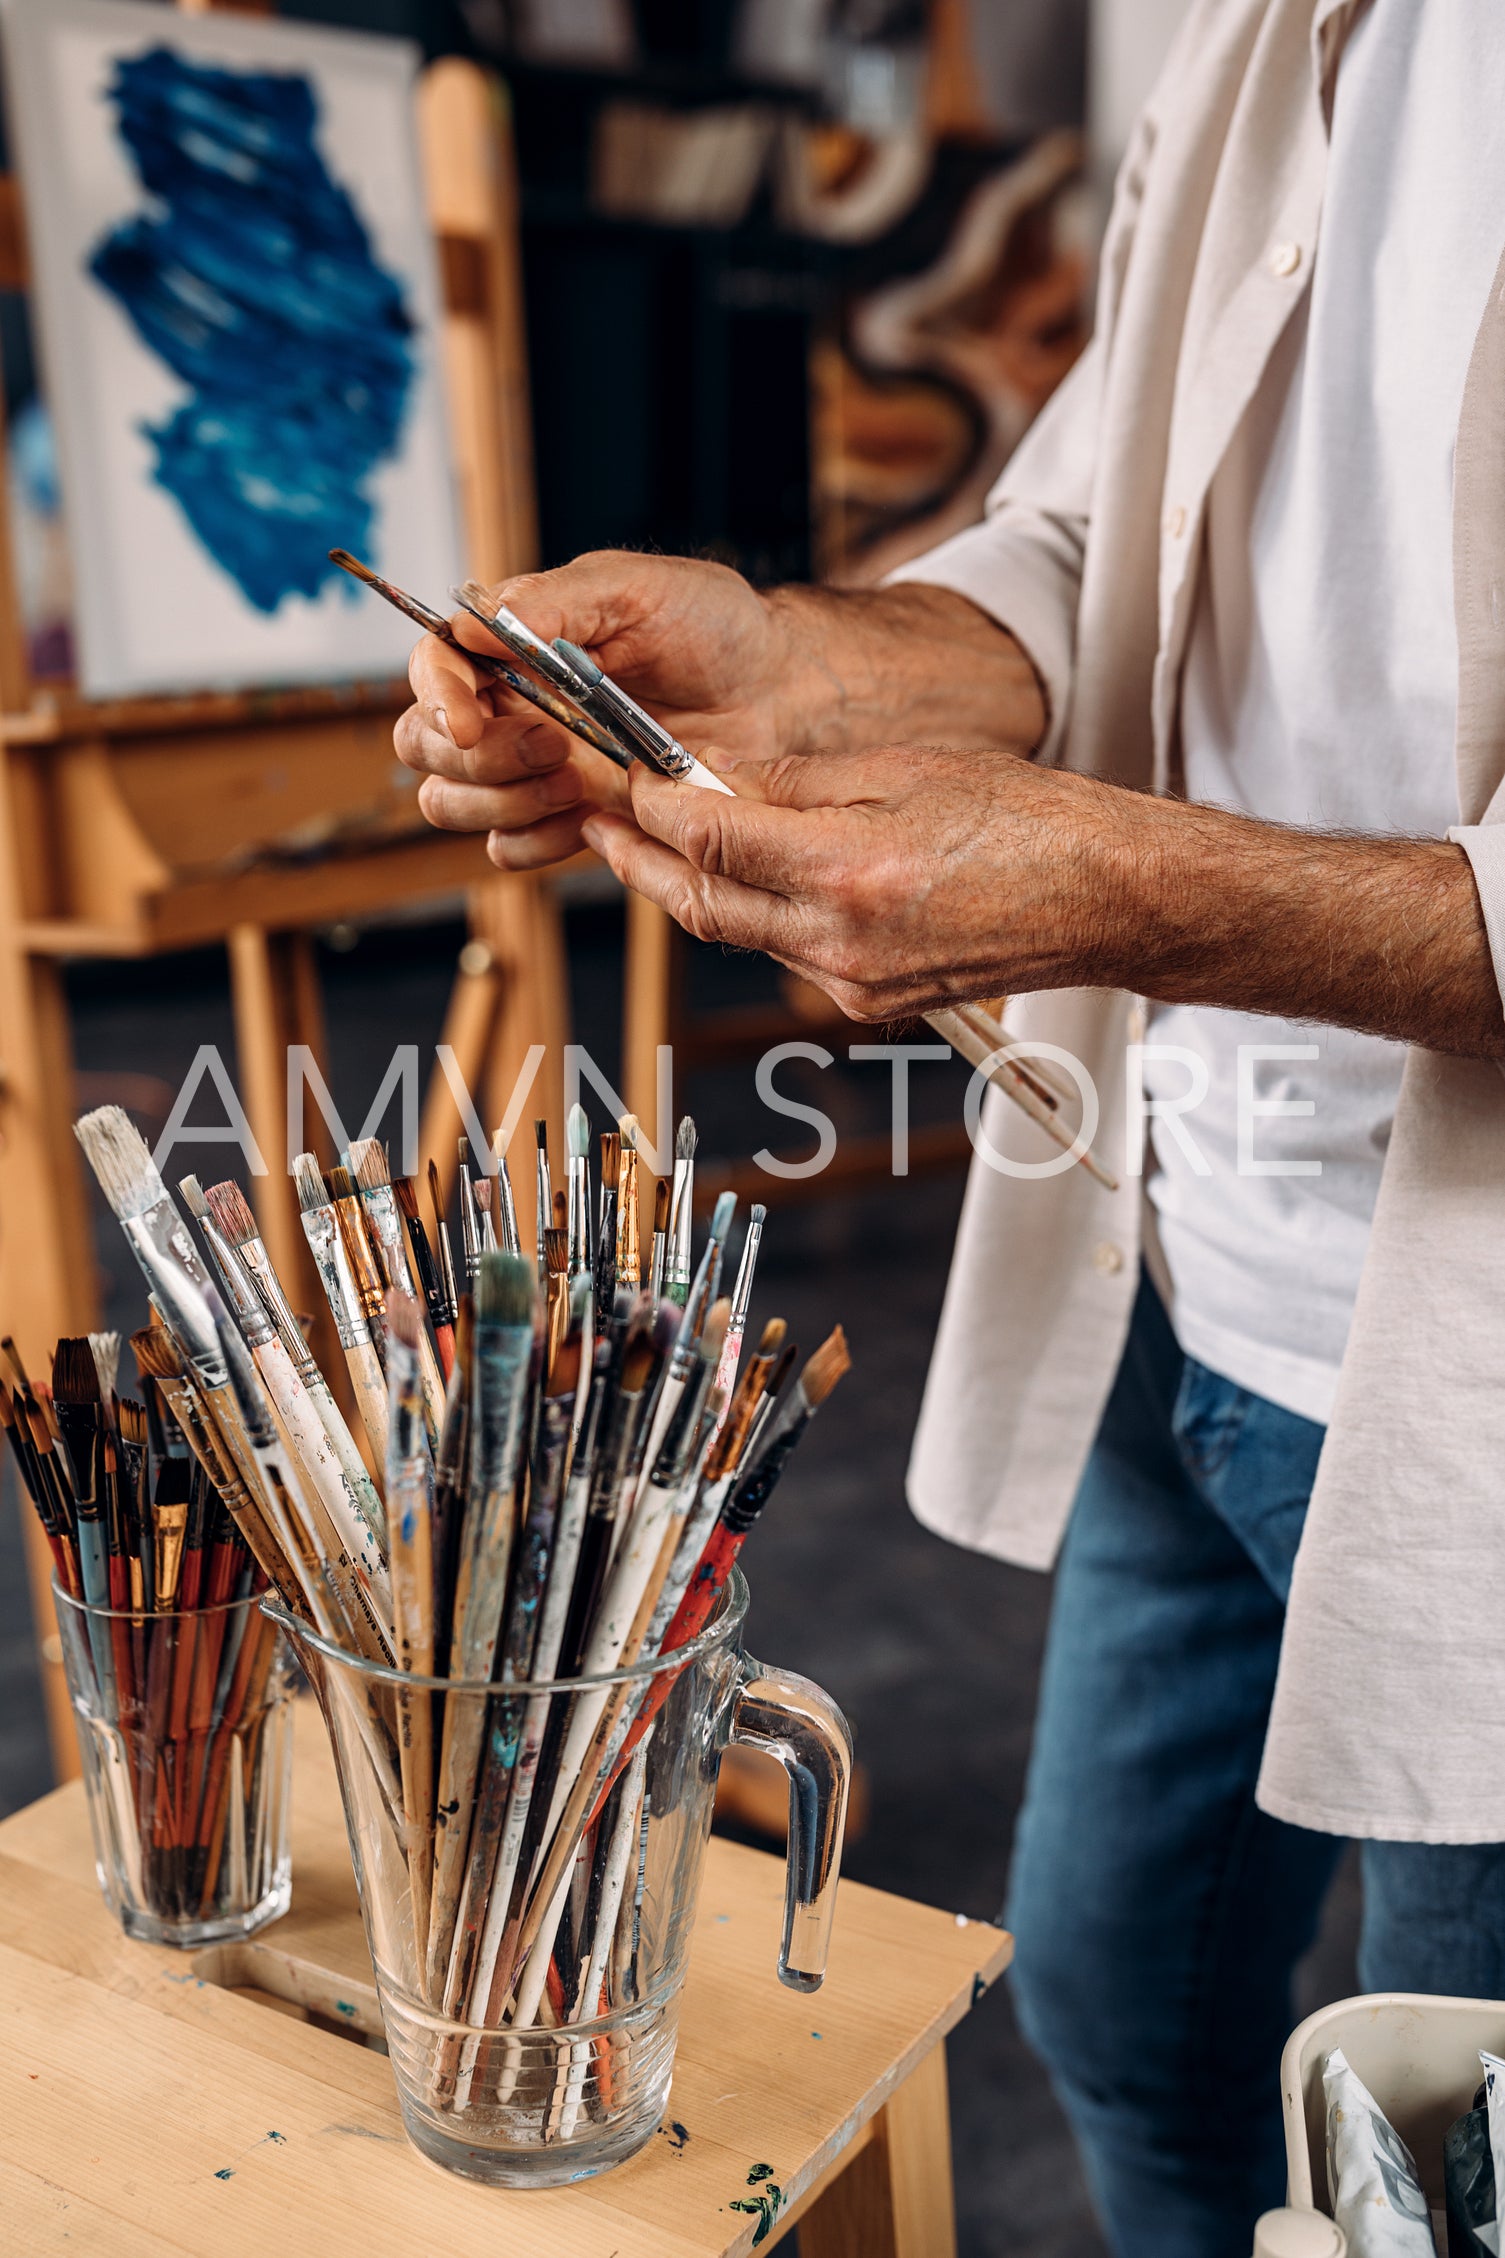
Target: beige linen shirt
x=1389, y=1712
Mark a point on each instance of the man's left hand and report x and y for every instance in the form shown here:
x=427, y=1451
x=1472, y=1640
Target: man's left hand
x=895, y=880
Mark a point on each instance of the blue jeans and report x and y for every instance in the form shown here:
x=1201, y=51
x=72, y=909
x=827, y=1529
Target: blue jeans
x=1158, y=1914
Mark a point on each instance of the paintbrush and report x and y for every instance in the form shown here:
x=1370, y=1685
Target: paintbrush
x=365, y=1264
x=659, y=1255
x=697, y=1299
x=543, y=1197
x=681, y=1213
x=481, y=1193
x=470, y=1222
x=75, y=1396
x=506, y=1299
x=441, y=1241
x=741, y=1299
x=755, y=1486
x=410, y=1512
x=232, y=1214
x=338, y=1532
x=509, y=1239
x=434, y=623
x=373, y=1177
x=40, y=1490
x=451, y=1477
x=328, y=1244
x=606, y=1230
x=441, y=1316
x=629, y=1242
x=158, y=1358
x=577, y=1143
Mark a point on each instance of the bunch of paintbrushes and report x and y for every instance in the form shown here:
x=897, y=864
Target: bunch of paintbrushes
x=563, y=1456
x=175, y=1674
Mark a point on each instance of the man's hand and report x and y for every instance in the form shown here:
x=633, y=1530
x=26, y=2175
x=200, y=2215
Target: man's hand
x=901, y=880
x=756, y=676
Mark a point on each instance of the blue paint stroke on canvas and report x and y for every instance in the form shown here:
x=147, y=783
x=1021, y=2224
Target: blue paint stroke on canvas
x=251, y=275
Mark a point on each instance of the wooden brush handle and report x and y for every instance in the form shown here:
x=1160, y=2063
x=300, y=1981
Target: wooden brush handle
x=370, y=1385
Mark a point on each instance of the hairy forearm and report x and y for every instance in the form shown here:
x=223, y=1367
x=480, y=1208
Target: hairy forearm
x=912, y=664
x=1384, y=935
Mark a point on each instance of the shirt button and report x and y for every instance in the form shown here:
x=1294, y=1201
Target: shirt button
x=1285, y=258
x=1175, y=522
x=1107, y=1257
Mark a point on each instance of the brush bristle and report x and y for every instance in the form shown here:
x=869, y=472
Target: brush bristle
x=403, y=1321
x=368, y=1161
x=556, y=1249
x=133, y=1422
x=506, y=1290
x=121, y=1159
x=561, y=1212
x=232, y=1212
x=628, y=1130
x=342, y=1183
x=191, y=1191
x=721, y=1221
x=156, y=1353
x=174, y=1481
x=13, y=1359
x=481, y=1189
x=772, y=1339
x=661, y=1205
x=577, y=1133
x=541, y=1135
x=826, y=1367
x=464, y=1145
x=75, y=1375
x=686, y=1138
x=564, y=1372
x=105, y=1350
x=309, y=1177
x=406, y=1191
x=757, y=1216
x=611, y=1160
x=713, y=1333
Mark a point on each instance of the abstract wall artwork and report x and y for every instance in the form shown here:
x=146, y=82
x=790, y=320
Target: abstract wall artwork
x=235, y=288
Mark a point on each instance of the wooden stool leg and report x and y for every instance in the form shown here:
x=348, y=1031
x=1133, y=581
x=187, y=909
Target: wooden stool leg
x=261, y=1041
x=895, y=2198
x=468, y=1021
x=646, y=1014
x=518, y=918
x=48, y=1283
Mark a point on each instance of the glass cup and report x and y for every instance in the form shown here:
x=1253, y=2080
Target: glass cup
x=530, y=1944
x=185, y=1729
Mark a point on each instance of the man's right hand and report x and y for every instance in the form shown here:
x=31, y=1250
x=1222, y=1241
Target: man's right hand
x=693, y=642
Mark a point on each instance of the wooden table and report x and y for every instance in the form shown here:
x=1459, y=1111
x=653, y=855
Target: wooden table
x=159, y=2102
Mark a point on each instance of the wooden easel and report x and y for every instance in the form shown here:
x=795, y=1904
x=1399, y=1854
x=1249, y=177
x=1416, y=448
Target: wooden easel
x=155, y=824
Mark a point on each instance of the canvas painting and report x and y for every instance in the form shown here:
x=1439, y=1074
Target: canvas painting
x=236, y=296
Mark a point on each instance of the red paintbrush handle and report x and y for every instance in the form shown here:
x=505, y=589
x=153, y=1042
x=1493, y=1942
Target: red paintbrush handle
x=694, y=1612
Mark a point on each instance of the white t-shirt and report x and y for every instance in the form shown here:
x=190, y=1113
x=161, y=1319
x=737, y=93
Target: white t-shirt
x=1321, y=677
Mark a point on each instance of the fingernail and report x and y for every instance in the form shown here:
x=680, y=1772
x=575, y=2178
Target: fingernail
x=441, y=721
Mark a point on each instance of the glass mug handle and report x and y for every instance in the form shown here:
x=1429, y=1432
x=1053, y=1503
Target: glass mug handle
x=789, y=1717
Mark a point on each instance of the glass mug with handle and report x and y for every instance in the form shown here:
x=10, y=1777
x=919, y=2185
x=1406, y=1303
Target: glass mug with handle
x=528, y=1860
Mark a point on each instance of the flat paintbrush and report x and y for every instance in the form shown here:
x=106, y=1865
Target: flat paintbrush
x=365, y=1266
x=506, y=1301
x=328, y=1245
x=373, y=1180
x=410, y=1514
x=606, y=1230
x=629, y=1227
x=231, y=1211
x=446, y=1256
x=543, y=1198
x=677, y=1268
x=426, y=1270
x=509, y=1239
x=659, y=1255
x=434, y=623
x=578, y=1216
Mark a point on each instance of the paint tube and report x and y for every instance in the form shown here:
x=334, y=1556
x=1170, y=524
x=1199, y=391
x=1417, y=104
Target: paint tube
x=1376, y=2190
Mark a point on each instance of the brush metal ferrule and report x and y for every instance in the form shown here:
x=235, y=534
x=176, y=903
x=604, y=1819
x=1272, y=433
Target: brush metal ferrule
x=385, y=1224
x=470, y=1225
x=258, y=1264
x=246, y=1306
x=326, y=1242
x=578, y=1187
x=179, y=1284
x=677, y=1271
x=511, y=1237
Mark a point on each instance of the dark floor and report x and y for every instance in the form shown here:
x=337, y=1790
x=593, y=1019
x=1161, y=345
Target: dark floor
x=932, y=1652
